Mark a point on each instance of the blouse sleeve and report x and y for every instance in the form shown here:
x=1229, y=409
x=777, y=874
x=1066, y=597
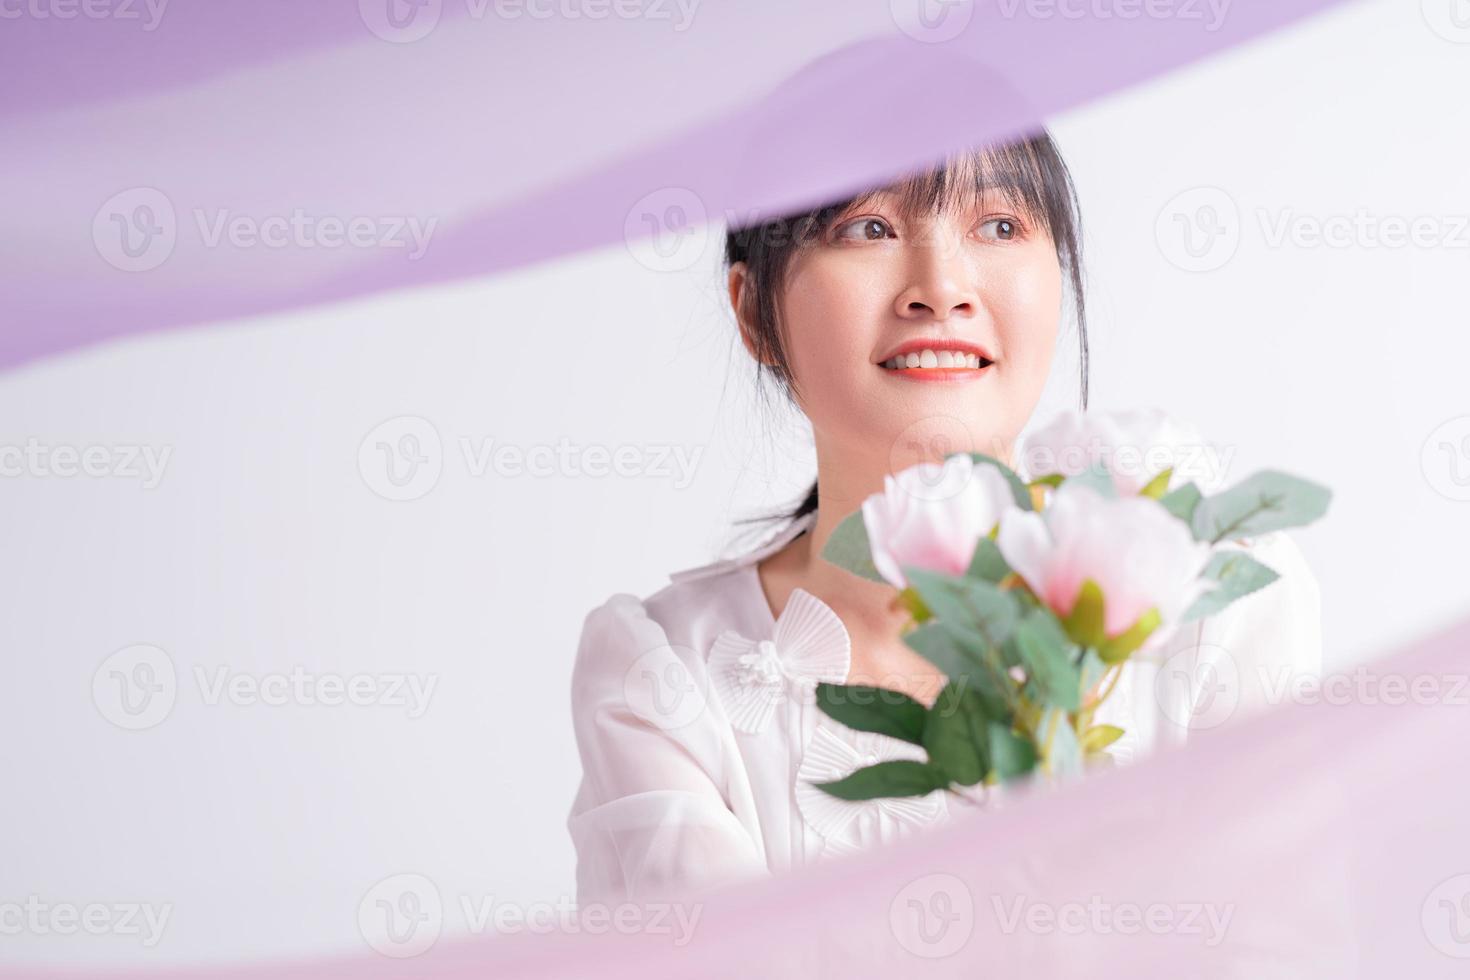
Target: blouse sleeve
x=650, y=816
x=1263, y=645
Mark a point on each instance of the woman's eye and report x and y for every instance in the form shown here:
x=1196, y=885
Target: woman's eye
x=865, y=230
x=1000, y=229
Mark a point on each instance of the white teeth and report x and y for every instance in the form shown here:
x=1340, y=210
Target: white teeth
x=933, y=359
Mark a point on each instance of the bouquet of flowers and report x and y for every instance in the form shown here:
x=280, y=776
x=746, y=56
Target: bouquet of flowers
x=1032, y=597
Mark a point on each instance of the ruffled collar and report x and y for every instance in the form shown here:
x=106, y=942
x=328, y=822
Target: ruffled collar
x=808, y=645
x=845, y=826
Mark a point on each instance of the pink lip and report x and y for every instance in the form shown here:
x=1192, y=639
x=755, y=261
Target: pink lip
x=938, y=344
x=938, y=374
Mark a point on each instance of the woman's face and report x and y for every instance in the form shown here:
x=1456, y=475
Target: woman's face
x=970, y=287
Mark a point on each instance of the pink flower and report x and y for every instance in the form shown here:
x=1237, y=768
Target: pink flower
x=931, y=516
x=1133, y=446
x=1140, y=555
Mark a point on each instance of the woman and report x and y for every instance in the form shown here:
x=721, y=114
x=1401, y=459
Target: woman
x=924, y=313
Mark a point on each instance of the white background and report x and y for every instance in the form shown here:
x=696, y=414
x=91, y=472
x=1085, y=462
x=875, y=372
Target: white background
x=265, y=545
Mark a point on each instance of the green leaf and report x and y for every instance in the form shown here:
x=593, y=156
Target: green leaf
x=942, y=649
x=988, y=564
x=1267, y=501
x=1063, y=754
x=1011, y=754
x=1084, y=624
x=932, y=642
x=874, y=709
x=1182, y=501
x=1097, y=477
x=896, y=777
x=914, y=603
x=1018, y=487
x=1158, y=486
x=1238, y=574
x=1090, y=671
x=1052, y=480
x=973, y=610
x=848, y=548
x=954, y=735
x=1120, y=647
x=1099, y=737
x=1047, y=654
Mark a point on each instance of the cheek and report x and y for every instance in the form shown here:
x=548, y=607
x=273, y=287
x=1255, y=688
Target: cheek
x=1026, y=303
x=830, y=331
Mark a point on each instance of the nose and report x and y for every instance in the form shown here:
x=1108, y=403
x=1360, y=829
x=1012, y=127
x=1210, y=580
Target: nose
x=941, y=281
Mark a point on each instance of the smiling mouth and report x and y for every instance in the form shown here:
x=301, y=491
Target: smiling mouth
x=937, y=364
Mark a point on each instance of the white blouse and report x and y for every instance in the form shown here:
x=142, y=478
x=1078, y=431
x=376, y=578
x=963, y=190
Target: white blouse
x=700, y=738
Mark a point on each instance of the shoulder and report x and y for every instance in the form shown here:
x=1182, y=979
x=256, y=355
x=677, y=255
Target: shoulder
x=616, y=635
x=685, y=614
x=664, y=634
x=674, y=623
